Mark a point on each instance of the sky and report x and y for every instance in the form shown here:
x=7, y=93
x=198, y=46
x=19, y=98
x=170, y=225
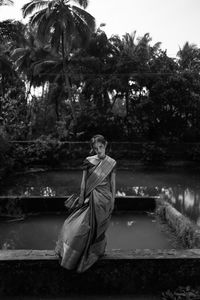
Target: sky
x=171, y=22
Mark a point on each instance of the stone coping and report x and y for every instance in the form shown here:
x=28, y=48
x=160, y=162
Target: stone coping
x=34, y=255
x=64, y=197
x=186, y=230
x=18, y=206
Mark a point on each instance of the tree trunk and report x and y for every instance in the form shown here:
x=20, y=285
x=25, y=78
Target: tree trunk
x=67, y=82
x=2, y=93
x=127, y=113
x=57, y=109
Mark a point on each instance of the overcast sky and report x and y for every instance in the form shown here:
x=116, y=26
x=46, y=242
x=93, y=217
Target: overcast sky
x=172, y=22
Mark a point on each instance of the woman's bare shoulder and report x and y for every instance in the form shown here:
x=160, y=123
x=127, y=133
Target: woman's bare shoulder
x=87, y=162
x=92, y=159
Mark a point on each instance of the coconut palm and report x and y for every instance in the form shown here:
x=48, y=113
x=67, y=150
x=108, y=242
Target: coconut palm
x=6, y=72
x=60, y=23
x=189, y=57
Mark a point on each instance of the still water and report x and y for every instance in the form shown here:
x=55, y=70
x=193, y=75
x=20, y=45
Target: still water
x=181, y=187
x=126, y=231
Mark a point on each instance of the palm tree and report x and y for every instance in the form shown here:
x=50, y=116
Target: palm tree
x=6, y=71
x=189, y=57
x=133, y=58
x=60, y=23
x=26, y=56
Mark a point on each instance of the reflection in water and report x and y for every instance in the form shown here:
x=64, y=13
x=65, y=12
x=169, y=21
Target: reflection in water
x=137, y=191
x=188, y=198
x=126, y=231
x=46, y=191
x=181, y=188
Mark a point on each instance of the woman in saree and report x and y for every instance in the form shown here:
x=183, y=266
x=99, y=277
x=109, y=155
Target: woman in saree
x=82, y=238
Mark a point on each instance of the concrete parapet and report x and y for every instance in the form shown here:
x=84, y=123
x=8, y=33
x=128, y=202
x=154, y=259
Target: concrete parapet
x=34, y=272
x=19, y=205
x=185, y=229
x=38, y=273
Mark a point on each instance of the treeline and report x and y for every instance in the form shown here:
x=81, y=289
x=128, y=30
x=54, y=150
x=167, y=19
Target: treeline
x=62, y=78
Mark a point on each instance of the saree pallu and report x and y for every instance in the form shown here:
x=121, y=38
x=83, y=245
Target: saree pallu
x=82, y=238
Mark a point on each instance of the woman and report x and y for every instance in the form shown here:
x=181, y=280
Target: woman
x=82, y=239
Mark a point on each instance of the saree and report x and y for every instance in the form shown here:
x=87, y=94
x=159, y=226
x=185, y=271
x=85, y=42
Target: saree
x=82, y=237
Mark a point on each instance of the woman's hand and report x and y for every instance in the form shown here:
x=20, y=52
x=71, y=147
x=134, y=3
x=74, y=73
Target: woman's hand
x=86, y=200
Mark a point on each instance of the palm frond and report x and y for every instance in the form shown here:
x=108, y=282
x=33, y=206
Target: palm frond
x=17, y=53
x=42, y=66
x=56, y=36
x=83, y=3
x=87, y=19
x=30, y=7
x=156, y=46
x=48, y=69
x=46, y=24
x=68, y=21
x=81, y=31
x=35, y=19
x=22, y=63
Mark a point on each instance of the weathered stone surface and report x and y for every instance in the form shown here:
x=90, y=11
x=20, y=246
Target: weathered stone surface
x=39, y=273
x=186, y=230
x=11, y=255
x=19, y=205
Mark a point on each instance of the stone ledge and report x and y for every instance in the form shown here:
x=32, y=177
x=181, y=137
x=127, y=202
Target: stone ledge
x=12, y=255
x=65, y=197
x=38, y=273
x=20, y=205
x=186, y=230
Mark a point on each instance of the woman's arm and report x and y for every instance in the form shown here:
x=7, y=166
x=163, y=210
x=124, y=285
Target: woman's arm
x=113, y=187
x=83, y=184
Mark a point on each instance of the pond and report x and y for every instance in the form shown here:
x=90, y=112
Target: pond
x=126, y=231
x=182, y=187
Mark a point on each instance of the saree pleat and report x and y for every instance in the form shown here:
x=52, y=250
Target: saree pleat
x=82, y=238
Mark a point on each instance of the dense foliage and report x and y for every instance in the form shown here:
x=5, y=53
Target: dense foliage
x=61, y=78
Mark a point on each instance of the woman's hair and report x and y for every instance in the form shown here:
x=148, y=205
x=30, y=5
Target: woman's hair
x=98, y=138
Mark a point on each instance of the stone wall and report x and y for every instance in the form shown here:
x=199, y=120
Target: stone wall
x=185, y=230
x=38, y=273
x=20, y=205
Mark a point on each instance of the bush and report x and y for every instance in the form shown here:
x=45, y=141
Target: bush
x=47, y=151
x=6, y=162
x=181, y=293
x=44, y=150
x=194, y=153
x=153, y=154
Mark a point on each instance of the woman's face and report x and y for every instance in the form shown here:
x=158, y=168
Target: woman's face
x=99, y=149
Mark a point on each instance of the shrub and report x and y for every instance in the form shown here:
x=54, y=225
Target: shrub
x=6, y=162
x=194, y=153
x=181, y=293
x=44, y=150
x=153, y=154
